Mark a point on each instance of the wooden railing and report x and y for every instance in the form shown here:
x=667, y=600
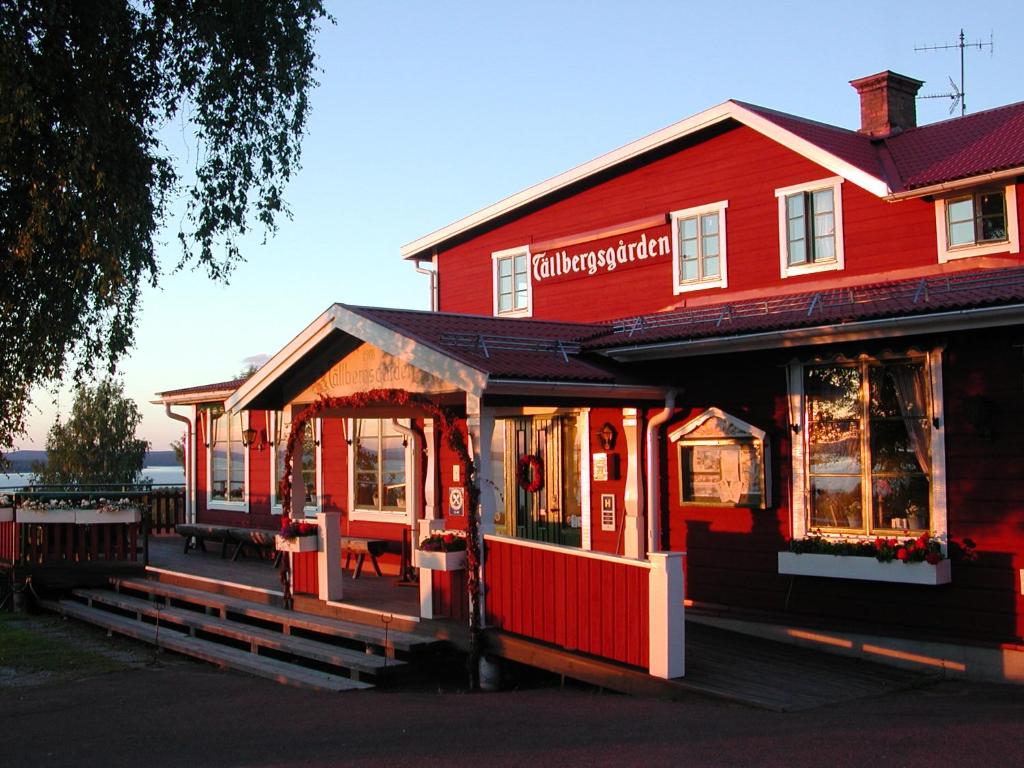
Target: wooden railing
x=71, y=544
x=596, y=604
x=165, y=507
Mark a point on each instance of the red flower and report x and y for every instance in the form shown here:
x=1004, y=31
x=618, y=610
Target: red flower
x=933, y=557
x=901, y=554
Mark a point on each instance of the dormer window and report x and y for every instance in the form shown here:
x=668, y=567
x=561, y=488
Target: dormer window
x=810, y=227
x=977, y=223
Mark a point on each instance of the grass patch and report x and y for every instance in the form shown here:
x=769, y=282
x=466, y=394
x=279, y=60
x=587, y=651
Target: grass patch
x=42, y=644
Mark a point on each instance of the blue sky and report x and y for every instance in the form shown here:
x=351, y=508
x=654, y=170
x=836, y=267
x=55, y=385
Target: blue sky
x=428, y=111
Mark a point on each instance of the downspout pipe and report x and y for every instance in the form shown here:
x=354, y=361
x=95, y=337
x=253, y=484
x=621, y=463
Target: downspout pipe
x=432, y=273
x=653, y=476
x=189, y=461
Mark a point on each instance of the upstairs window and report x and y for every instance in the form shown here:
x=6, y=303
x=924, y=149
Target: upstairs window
x=512, y=285
x=810, y=227
x=698, y=239
x=977, y=223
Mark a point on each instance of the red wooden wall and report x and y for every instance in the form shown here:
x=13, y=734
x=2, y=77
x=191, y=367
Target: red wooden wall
x=731, y=552
x=565, y=598
x=8, y=541
x=305, y=578
x=741, y=166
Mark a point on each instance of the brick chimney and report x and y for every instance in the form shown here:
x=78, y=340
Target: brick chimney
x=887, y=103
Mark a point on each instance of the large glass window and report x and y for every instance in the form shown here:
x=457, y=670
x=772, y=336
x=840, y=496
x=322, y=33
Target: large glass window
x=307, y=460
x=380, y=471
x=868, y=447
x=542, y=480
x=227, y=458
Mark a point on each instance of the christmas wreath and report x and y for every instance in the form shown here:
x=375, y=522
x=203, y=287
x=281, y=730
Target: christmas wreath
x=531, y=473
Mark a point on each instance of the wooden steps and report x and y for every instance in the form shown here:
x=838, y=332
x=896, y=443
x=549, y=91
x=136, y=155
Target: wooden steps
x=376, y=638
x=293, y=648
x=215, y=653
x=359, y=663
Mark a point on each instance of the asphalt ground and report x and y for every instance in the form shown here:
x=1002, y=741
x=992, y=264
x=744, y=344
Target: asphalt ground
x=176, y=712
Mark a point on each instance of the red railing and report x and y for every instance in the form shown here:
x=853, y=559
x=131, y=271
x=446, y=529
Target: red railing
x=582, y=601
x=8, y=541
x=165, y=507
x=68, y=543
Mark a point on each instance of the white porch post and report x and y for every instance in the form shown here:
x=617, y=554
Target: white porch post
x=432, y=521
x=633, y=524
x=480, y=426
x=667, y=627
x=328, y=558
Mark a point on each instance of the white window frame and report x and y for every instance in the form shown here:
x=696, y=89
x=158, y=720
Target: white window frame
x=722, y=280
x=835, y=183
x=275, y=503
x=799, y=449
x=1010, y=245
x=223, y=504
x=511, y=253
x=375, y=515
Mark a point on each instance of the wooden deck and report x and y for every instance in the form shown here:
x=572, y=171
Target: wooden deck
x=380, y=594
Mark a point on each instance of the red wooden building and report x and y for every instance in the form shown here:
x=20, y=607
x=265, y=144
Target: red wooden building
x=738, y=332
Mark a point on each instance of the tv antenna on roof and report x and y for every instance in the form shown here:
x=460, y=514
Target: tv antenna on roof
x=957, y=92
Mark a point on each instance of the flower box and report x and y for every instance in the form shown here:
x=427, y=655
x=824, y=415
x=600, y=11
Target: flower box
x=441, y=561
x=864, y=568
x=297, y=544
x=6, y=514
x=37, y=516
x=96, y=516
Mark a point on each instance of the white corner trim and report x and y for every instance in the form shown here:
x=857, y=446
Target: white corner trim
x=1010, y=245
x=837, y=264
x=722, y=281
x=510, y=253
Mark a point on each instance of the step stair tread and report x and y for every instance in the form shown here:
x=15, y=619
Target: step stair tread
x=265, y=638
x=403, y=641
x=260, y=666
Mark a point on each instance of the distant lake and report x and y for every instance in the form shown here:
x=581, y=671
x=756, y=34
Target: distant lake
x=156, y=475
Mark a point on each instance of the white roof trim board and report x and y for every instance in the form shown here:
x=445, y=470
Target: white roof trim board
x=729, y=110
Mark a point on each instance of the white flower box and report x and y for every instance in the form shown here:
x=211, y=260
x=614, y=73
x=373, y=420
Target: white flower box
x=441, y=561
x=864, y=568
x=96, y=516
x=298, y=544
x=45, y=516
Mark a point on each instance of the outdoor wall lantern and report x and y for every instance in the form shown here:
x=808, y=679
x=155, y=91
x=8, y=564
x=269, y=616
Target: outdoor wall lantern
x=607, y=436
x=248, y=437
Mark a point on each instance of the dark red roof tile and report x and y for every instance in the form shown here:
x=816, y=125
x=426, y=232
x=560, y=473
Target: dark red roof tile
x=204, y=388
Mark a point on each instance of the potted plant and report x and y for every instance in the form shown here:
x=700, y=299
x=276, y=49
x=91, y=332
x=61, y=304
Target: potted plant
x=442, y=551
x=918, y=560
x=296, y=536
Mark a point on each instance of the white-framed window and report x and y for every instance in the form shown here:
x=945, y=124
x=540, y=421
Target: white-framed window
x=977, y=223
x=513, y=288
x=869, y=453
x=811, y=227
x=379, y=461
x=227, y=461
x=699, y=248
x=310, y=462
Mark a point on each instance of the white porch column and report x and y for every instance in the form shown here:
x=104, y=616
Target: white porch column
x=667, y=627
x=633, y=524
x=430, y=473
x=328, y=558
x=480, y=426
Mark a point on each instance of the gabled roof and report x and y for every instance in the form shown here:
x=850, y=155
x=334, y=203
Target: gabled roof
x=475, y=354
x=202, y=393
x=899, y=307
x=916, y=159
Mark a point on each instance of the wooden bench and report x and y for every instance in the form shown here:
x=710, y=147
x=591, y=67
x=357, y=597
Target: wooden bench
x=260, y=539
x=196, y=535
x=361, y=547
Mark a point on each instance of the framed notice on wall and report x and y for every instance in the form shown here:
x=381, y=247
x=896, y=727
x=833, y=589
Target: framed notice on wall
x=607, y=511
x=722, y=462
